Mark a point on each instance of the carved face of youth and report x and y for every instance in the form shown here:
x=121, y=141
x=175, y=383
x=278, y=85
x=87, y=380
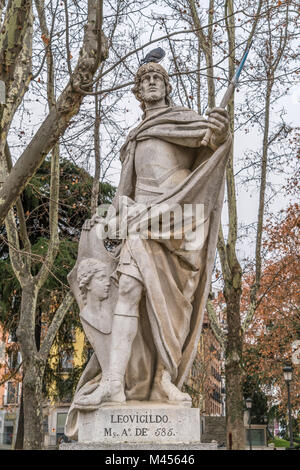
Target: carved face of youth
x=99, y=284
x=153, y=88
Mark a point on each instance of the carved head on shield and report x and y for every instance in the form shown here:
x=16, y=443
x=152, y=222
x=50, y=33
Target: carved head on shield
x=92, y=277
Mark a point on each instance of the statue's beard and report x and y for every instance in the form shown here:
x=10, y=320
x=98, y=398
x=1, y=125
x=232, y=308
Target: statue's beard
x=151, y=98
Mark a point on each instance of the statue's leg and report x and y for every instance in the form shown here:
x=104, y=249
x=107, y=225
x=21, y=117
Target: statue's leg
x=100, y=343
x=157, y=392
x=173, y=393
x=164, y=390
x=124, y=330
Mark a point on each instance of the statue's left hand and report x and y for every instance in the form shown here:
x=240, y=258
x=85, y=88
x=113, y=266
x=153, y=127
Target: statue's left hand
x=219, y=120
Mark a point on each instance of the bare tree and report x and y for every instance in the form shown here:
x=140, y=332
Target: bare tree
x=93, y=51
x=60, y=112
x=273, y=29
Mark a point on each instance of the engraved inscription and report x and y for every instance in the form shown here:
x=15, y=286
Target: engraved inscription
x=139, y=418
x=162, y=426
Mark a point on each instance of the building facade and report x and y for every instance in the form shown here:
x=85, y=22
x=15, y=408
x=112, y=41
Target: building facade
x=206, y=381
x=10, y=388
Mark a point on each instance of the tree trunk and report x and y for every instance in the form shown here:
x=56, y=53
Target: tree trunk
x=33, y=411
x=20, y=429
x=233, y=367
x=33, y=369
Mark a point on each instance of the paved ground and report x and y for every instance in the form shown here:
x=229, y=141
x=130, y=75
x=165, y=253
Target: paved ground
x=82, y=446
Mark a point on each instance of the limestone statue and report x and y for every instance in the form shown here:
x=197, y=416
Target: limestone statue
x=143, y=311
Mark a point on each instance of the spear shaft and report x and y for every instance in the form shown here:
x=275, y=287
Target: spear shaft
x=229, y=92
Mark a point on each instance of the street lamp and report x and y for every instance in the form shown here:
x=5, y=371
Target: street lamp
x=265, y=420
x=248, y=402
x=288, y=375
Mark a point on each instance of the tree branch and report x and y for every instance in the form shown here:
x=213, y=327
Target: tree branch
x=214, y=323
x=55, y=324
x=58, y=118
x=12, y=375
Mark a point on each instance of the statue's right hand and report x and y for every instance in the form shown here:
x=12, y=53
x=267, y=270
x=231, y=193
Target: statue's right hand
x=89, y=223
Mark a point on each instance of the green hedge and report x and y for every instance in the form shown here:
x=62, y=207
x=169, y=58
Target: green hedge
x=282, y=443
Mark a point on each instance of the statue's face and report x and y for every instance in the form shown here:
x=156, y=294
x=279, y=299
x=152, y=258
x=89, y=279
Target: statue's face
x=99, y=284
x=152, y=87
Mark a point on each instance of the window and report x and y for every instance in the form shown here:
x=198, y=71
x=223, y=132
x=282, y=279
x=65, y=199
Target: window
x=12, y=393
x=65, y=393
x=13, y=359
x=215, y=395
x=68, y=333
x=46, y=424
x=8, y=435
x=12, y=338
x=60, y=426
x=66, y=361
x=2, y=352
x=60, y=421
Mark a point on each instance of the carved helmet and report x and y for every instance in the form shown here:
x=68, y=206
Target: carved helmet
x=150, y=64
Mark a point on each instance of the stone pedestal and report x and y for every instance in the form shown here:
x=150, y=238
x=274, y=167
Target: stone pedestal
x=140, y=423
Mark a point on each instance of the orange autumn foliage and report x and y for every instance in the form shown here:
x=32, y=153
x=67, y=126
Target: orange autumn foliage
x=276, y=323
